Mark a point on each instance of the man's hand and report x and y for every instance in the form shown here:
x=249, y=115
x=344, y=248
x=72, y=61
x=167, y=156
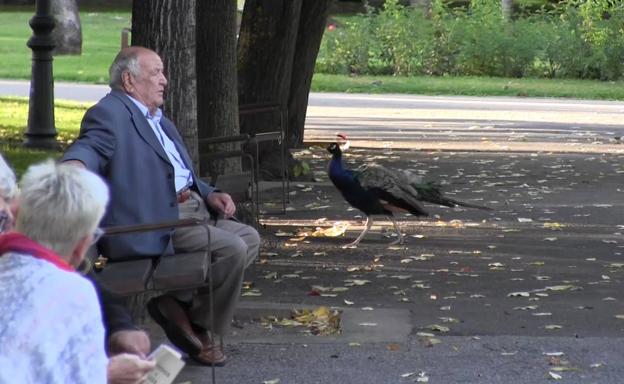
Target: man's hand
x=129, y=341
x=128, y=369
x=222, y=203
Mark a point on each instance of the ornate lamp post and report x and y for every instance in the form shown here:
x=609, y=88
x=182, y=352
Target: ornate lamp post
x=40, y=132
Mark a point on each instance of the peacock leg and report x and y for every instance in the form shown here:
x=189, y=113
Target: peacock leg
x=398, y=231
x=368, y=224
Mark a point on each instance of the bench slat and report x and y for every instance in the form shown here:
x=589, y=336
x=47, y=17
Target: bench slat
x=127, y=277
x=179, y=271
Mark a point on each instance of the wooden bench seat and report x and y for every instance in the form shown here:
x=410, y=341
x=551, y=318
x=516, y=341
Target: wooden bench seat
x=165, y=273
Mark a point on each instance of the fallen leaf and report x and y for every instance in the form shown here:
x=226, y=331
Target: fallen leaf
x=562, y=288
x=422, y=378
x=518, y=294
x=438, y=328
x=554, y=225
x=253, y=292
x=553, y=327
x=554, y=376
x=338, y=229
x=393, y=347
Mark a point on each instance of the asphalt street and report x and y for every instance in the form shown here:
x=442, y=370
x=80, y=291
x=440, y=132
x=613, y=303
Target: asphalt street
x=528, y=292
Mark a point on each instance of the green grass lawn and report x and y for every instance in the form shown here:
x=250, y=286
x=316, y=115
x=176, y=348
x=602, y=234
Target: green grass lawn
x=470, y=86
x=13, y=119
x=101, y=42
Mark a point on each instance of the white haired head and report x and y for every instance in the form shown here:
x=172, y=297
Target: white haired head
x=60, y=204
x=127, y=60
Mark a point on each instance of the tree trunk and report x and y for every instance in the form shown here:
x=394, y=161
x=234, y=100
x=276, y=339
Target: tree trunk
x=507, y=9
x=266, y=48
x=217, y=92
x=168, y=27
x=425, y=5
x=311, y=27
x=67, y=32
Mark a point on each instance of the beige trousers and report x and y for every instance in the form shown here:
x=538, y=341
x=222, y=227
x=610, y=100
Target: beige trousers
x=233, y=247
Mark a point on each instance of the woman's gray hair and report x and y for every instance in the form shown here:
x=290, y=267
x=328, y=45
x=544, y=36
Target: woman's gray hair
x=60, y=204
x=8, y=185
x=127, y=60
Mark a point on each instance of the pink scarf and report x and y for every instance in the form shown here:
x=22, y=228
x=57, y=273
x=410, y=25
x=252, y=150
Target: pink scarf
x=18, y=243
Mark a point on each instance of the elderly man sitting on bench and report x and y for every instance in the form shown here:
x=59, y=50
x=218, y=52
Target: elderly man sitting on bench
x=126, y=139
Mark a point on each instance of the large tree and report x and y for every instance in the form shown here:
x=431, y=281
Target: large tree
x=311, y=27
x=266, y=47
x=67, y=32
x=277, y=48
x=507, y=8
x=168, y=27
x=217, y=93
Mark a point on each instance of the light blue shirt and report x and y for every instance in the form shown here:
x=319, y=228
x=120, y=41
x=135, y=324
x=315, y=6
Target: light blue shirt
x=183, y=177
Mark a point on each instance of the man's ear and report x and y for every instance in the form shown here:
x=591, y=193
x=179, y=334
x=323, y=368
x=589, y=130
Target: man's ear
x=80, y=250
x=126, y=81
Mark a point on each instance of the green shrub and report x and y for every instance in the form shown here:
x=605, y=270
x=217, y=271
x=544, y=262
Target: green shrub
x=576, y=39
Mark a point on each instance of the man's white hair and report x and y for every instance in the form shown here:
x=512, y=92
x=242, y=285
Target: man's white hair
x=127, y=60
x=8, y=185
x=60, y=204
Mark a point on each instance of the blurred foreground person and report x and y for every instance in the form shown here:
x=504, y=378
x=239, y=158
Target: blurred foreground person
x=50, y=324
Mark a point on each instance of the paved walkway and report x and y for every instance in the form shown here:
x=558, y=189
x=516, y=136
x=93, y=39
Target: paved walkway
x=530, y=292
x=526, y=293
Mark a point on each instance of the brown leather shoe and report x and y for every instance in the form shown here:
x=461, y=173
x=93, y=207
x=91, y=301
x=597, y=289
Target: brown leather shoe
x=211, y=353
x=173, y=319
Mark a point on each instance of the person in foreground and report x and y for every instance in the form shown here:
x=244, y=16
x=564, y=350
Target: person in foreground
x=126, y=139
x=50, y=326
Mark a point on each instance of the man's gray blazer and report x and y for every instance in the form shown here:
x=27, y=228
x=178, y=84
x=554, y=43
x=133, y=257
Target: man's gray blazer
x=117, y=142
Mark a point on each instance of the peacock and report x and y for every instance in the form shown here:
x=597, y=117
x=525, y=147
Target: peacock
x=377, y=190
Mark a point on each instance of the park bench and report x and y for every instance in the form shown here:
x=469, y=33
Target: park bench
x=151, y=274
x=245, y=186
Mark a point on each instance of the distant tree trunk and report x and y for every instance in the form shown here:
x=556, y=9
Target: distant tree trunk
x=217, y=92
x=168, y=27
x=266, y=48
x=67, y=32
x=424, y=4
x=311, y=27
x=507, y=9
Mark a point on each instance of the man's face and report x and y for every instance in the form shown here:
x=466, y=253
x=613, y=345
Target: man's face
x=149, y=86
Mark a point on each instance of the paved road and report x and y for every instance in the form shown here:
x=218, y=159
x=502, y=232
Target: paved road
x=438, y=122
